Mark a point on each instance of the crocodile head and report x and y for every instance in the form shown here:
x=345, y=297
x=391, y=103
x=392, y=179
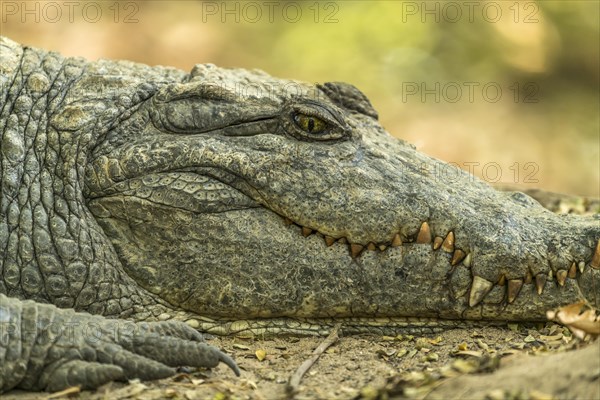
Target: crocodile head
x=234, y=195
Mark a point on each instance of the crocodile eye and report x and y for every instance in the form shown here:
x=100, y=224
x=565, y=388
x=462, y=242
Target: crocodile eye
x=309, y=123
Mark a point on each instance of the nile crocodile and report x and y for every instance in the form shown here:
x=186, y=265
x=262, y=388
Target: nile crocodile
x=238, y=202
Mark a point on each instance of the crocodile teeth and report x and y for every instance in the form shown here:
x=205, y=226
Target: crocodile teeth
x=356, y=249
x=306, y=231
x=561, y=276
x=457, y=257
x=397, y=240
x=467, y=261
x=596, y=258
x=479, y=289
x=371, y=246
x=540, y=282
x=287, y=221
x=528, y=277
x=437, y=242
x=382, y=247
x=448, y=245
x=329, y=241
x=573, y=271
x=502, y=280
x=342, y=240
x=581, y=266
x=514, y=287
x=424, y=235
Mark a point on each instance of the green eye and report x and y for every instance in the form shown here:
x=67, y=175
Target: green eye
x=310, y=124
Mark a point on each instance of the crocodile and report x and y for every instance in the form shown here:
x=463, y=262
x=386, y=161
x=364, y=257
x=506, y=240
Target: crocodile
x=143, y=205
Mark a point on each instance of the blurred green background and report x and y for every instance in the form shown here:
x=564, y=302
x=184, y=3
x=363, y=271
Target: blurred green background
x=507, y=89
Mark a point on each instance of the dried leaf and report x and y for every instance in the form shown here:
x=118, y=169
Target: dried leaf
x=401, y=353
x=529, y=339
x=240, y=347
x=581, y=320
x=386, y=352
x=422, y=343
x=436, y=341
x=260, y=354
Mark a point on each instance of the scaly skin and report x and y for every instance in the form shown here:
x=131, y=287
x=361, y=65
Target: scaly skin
x=243, y=203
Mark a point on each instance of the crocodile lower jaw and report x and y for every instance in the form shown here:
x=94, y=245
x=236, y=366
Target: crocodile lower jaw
x=480, y=287
x=391, y=326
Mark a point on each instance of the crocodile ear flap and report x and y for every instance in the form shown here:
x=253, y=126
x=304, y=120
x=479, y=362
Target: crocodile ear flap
x=349, y=97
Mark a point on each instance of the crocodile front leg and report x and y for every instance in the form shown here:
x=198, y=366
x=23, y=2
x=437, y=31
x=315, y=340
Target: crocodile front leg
x=46, y=348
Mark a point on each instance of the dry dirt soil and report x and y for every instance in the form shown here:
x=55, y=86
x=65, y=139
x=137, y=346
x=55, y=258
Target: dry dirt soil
x=515, y=362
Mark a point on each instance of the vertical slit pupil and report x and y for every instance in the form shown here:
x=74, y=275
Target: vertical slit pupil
x=311, y=124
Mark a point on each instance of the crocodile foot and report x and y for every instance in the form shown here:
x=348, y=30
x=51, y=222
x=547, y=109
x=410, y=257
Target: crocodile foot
x=64, y=348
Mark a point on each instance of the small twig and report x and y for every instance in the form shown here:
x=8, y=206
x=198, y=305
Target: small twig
x=70, y=391
x=295, y=379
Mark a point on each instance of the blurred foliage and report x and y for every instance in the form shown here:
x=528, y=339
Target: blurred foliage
x=381, y=46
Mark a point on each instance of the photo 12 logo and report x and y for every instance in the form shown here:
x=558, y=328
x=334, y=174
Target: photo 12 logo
x=469, y=11
x=71, y=11
x=270, y=11
x=489, y=171
x=453, y=92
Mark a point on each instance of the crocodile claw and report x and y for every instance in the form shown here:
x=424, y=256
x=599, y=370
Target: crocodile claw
x=94, y=350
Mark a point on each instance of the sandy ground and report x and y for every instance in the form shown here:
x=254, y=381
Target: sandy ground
x=534, y=362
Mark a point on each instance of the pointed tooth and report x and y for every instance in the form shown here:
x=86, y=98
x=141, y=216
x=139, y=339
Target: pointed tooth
x=342, y=240
x=561, y=276
x=287, y=221
x=457, y=257
x=514, y=287
x=306, y=231
x=437, y=242
x=502, y=280
x=329, y=241
x=424, y=235
x=479, y=288
x=382, y=247
x=551, y=274
x=467, y=260
x=573, y=271
x=397, y=240
x=371, y=246
x=581, y=266
x=540, y=282
x=596, y=258
x=528, y=277
x=356, y=249
x=448, y=244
